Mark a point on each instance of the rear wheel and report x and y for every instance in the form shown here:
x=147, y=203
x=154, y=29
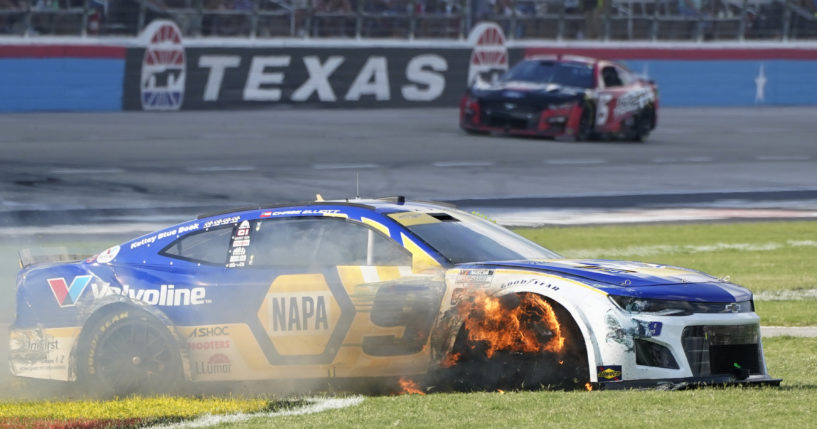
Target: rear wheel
x=128, y=351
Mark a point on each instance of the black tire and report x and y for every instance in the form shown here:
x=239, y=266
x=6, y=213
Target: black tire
x=567, y=369
x=128, y=351
x=643, y=124
x=474, y=132
x=584, y=132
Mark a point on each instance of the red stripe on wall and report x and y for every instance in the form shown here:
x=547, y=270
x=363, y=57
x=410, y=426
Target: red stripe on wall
x=614, y=53
x=61, y=51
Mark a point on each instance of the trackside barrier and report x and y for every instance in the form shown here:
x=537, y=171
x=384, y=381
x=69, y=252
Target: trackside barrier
x=162, y=71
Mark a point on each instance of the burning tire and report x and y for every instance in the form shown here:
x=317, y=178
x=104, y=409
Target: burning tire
x=127, y=351
x=534, y=345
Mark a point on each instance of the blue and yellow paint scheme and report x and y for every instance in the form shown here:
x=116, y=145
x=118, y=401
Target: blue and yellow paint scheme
x=234, y=318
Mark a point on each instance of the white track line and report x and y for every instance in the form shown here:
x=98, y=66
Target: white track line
x=343, y=166
x=588, y=161
x=445, y=164
x=87, y=171
x=783, y=158
x=216, y=169
x=671, y=160
x=318, y=405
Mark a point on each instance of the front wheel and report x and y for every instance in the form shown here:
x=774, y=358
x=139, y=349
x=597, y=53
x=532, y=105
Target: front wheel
x=642, y=125
x=128, y=351
x=584, y=131
x=480, y=362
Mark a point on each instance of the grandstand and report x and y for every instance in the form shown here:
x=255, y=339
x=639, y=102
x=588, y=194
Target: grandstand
x=641, y=20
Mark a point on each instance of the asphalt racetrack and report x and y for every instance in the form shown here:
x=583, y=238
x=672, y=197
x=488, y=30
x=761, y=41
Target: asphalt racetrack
x=106, y=170
x=62, y=167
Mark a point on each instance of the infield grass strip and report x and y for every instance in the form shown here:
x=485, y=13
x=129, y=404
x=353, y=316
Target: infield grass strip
x=792, y=405
x=128, y=412
x=775, y=260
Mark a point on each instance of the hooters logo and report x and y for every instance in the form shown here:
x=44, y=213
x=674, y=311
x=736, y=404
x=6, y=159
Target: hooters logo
x=489, y=58
x=163, y=67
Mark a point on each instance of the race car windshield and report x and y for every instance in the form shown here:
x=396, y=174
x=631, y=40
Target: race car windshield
x=566, y=74
x=461, y=238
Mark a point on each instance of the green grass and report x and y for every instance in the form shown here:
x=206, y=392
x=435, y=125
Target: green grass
x=765, y=257
x=792, y=405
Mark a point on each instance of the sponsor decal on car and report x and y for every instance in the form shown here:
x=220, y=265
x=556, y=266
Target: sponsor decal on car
x=296, y=314
x=475, y=276
x=165, y=296
x=162, y=235
x=208, y=345
x=218, y=363
x=609, y=372
x=108, y=255
x=212, y=331
x=529, y=282
x=67, y=295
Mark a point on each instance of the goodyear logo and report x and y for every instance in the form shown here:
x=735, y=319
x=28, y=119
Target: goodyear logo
x=299, y=314
x=610, y=373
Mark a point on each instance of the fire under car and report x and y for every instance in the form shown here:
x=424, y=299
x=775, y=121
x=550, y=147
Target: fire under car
x=369, y=288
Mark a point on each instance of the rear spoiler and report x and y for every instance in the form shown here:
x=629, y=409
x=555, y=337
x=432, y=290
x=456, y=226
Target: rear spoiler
x=29, y=257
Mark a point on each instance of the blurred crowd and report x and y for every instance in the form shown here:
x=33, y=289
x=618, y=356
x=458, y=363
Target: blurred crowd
x=543, y=19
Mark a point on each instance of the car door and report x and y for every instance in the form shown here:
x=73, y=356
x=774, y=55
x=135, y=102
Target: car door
x=340, y=298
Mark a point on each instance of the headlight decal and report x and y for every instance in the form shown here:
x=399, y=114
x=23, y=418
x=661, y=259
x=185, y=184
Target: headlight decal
x=662, y=307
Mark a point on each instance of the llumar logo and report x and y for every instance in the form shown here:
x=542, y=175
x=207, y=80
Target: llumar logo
x=67, y=295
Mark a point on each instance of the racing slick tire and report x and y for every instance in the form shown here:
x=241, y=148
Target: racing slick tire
x=567, y=369
x=473, y=132
x=127, y=351
x=642, y=125
x=584, y=130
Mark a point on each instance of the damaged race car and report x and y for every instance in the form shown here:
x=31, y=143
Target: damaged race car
x=563, y=96
x=374, y=288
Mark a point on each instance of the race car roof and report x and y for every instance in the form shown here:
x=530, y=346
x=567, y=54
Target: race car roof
x=381, y=205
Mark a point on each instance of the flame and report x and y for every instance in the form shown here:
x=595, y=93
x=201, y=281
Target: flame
x=588, y=386
x=450, y=360
x=410, y=387
x=490, y=321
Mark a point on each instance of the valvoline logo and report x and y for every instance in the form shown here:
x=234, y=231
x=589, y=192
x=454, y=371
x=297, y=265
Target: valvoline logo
x=66, y=294
x=165, y=296
x=163, y=67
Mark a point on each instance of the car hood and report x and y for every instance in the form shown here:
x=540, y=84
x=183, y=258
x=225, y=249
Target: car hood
x=636, y=279
x=526, y=91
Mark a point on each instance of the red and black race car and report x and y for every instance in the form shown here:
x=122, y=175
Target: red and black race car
x=555, y=96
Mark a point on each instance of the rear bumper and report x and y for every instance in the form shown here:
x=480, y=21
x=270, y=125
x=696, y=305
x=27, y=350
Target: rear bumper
x=689, y=382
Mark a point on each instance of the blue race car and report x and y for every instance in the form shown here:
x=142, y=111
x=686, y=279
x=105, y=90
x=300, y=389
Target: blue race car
x=374, y=288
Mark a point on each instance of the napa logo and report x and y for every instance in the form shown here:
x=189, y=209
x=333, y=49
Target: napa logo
x=67, y=295
x=299, y=314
